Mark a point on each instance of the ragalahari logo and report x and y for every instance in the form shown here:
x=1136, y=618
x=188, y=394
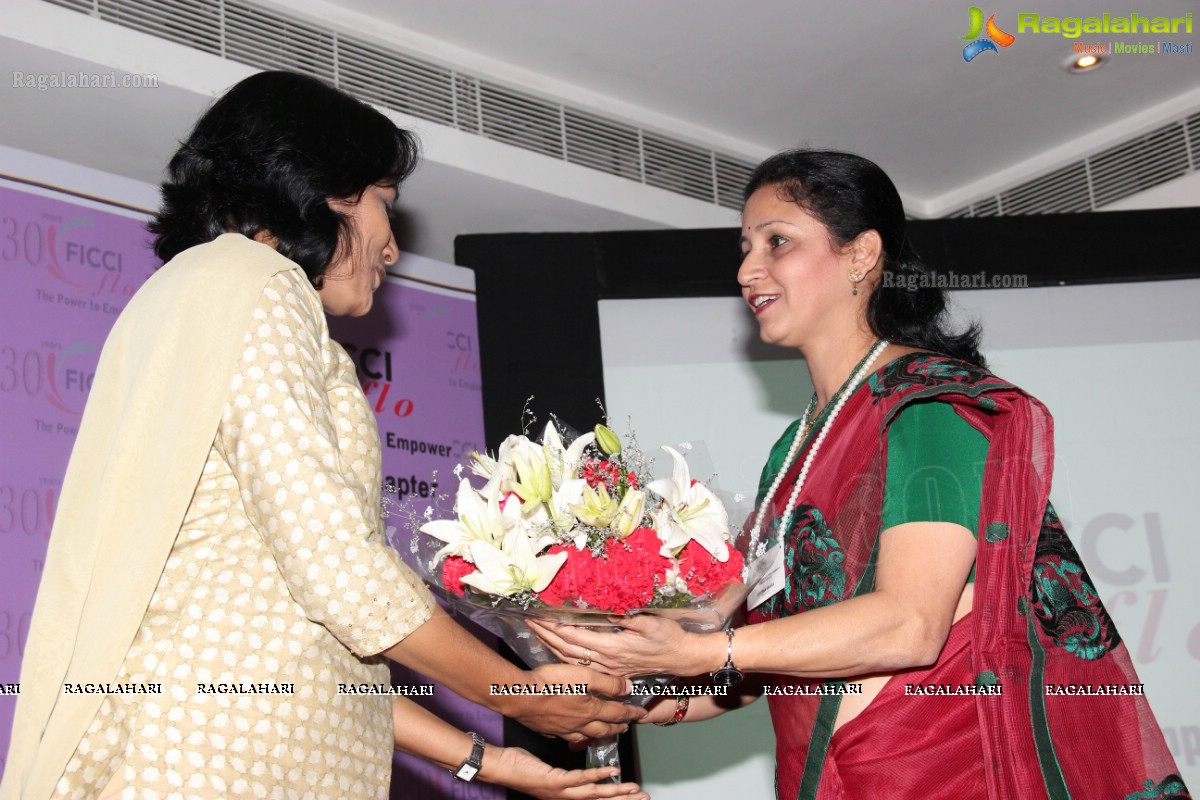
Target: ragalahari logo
x=995, y=36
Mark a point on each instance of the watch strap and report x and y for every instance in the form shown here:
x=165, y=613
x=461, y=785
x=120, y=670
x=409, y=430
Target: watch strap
x=470, y=768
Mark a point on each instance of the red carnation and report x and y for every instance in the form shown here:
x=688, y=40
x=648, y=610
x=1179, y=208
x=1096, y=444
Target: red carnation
x=624, y=578
x=703, y=574
x=575, y=574
x=454, y=569
x=629, y=573
x=596, y=472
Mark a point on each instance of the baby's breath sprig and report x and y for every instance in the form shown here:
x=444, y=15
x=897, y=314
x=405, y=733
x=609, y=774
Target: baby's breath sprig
x=410, y=513
x=528, y=418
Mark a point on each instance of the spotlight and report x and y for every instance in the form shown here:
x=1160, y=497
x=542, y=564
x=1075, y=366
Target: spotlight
x=1089, y=62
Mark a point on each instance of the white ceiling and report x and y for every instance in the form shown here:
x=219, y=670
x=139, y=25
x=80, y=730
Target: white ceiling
x=884, y=79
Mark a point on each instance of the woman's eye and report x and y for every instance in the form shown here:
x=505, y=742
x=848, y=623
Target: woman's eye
x=777, y=241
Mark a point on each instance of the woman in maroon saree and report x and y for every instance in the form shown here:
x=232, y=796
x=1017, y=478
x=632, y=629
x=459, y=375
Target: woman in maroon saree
x=953, y=648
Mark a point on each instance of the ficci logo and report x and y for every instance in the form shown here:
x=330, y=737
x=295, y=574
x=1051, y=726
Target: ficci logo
x=995, y=35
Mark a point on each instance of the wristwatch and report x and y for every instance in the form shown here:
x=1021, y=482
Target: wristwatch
x=470, y=768
x=728, y=675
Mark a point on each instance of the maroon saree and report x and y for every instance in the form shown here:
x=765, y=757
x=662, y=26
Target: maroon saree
x=1036, y=623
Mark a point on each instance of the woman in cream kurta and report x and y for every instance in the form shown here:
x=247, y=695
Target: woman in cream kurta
x=219, y=522
x=276, y=564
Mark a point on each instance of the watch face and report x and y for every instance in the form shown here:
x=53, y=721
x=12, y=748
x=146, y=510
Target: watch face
x=727, y=676
x=470, y=768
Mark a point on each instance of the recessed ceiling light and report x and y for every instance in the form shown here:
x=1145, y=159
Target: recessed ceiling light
x=1088, y=62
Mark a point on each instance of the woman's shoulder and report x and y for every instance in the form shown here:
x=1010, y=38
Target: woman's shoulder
x=915, y=371
x=925, y=377
x=233, y=252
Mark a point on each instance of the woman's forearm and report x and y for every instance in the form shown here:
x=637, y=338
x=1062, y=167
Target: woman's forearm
x=699, y=707
x=903, y=623
x=872, y=633
x=442, y=649
x=423, y=734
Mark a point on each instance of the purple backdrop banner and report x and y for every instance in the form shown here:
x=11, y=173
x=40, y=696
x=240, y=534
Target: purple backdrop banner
x=69, y=269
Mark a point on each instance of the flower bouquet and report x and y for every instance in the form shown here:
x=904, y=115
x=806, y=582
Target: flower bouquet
x=568, y=533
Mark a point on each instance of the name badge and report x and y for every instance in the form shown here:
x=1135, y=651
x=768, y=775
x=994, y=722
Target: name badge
x=766, y=576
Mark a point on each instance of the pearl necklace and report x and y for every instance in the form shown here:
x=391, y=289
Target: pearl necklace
x=839, y=400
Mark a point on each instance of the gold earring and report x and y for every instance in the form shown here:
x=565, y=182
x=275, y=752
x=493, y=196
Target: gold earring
x=855, y=277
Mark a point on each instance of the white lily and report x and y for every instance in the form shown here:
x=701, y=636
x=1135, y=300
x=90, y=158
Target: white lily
x=564, y=461
x=629, y=513
x=532, y=474
x=498, y=471
x=598, y=507
x=563, y=501
x=482, y=464
x=478, y=519
x=690, y=511
x=513, y=566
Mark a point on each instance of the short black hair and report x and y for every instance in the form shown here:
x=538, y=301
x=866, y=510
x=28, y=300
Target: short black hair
x=849, y=195
x=267, y=156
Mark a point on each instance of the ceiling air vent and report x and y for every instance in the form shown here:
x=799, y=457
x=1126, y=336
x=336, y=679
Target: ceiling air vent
x=193, y=23
x=1122, y=170
x=679, y=168
x=732, y=177
x=1139, y=165
x=520, y=120
x=1192, y=127
x=1058, y=192
x=270, y=41
x=603, y=144
x=394, y=81
x=249, y=35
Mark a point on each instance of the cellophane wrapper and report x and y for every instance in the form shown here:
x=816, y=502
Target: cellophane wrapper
x=507, y=621
x=613, y=546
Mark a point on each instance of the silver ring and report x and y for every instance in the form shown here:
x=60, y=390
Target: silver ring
x=587, y=657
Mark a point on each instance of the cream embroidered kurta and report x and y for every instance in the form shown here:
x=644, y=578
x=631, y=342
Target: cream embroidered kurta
x=279, y=576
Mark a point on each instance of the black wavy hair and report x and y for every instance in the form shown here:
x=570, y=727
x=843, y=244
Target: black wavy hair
x=849, y=194
x=267, y=156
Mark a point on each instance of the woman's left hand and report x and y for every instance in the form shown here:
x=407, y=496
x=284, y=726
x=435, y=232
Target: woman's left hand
x=645, y=645
x=521, y=770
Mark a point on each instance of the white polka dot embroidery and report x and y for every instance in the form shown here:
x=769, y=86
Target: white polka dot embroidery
x=278, y=573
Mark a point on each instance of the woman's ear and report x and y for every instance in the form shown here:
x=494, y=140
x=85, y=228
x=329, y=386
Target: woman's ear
x=866, y=251
x=266, y=237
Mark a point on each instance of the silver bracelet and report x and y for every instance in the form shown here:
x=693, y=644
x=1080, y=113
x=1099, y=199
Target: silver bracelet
x=728, y=675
